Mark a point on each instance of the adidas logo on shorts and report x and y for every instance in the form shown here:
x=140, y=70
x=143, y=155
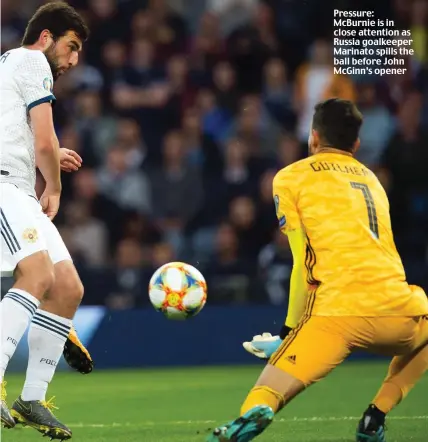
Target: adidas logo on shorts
x=291, y=359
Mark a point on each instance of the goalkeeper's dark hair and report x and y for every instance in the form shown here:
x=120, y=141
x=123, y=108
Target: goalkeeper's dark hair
x=58, y=18
x=338, y=123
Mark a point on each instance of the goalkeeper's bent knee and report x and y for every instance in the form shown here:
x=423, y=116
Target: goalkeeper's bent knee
x=262, y=395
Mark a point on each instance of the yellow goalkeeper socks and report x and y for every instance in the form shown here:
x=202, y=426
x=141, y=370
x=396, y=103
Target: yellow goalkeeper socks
x=263, y=396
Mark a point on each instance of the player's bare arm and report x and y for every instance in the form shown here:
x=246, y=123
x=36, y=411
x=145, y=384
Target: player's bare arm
x=47, y=156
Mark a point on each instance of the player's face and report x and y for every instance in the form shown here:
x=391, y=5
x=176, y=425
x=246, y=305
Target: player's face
x=63, y=54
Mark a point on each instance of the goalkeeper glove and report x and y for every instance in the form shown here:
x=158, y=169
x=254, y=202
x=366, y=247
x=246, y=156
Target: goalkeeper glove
x=265, y=345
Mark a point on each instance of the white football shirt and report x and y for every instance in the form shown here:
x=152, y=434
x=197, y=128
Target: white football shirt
x=25, y=82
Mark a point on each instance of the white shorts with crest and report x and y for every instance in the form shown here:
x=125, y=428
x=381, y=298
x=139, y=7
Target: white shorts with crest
x=25, y=230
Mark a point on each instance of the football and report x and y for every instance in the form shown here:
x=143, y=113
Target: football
x=178, y=290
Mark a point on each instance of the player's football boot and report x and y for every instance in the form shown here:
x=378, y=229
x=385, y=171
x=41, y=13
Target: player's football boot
x=263, y=346
x=371, y=427
x=246, y=427
x=6, y=418
x=76, y=355
x=38, y=415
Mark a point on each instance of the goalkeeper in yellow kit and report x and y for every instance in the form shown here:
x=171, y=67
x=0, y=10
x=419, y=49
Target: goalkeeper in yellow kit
x=348, y=287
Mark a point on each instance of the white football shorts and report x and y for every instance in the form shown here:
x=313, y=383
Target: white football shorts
x=25, y=230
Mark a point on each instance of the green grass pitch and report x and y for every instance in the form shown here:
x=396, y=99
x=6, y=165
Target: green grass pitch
x=179, y=405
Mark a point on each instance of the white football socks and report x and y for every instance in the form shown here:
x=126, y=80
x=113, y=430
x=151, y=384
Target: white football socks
x=46, y=339
x=16, y=310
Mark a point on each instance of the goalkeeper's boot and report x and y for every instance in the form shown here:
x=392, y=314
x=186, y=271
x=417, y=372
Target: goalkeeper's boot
x=38, y=415
x=7, y=420
x=246, y=427
x=76, y=355
x=371, y=427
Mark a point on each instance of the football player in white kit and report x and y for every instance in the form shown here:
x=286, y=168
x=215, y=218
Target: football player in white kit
x=47, y=289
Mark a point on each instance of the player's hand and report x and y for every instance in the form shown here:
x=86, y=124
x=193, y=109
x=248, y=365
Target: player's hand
x=50, y=204
x=263, y=346
x=69, y=160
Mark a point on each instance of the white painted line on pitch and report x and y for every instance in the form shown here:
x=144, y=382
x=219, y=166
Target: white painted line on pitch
x=201, y=422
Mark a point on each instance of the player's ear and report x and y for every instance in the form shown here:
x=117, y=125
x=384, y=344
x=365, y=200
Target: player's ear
x=356, y=146
x=45, y=38
x=315, y=140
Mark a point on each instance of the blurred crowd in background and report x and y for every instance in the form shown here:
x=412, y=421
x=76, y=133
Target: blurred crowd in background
x=184, y=110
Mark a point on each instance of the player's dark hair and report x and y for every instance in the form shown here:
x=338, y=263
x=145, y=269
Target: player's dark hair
x=58, y=18
x=338, y=123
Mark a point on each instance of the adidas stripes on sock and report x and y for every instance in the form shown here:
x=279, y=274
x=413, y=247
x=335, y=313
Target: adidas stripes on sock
x=16, y=310
x=46, y=339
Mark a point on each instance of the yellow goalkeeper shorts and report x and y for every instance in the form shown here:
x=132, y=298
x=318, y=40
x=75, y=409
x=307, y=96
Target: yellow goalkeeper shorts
x=320, y=343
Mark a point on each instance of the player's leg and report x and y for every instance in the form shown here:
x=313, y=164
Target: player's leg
x=47, y=335
x=21, y=301
x=24, y=247
x=306, y=356
x=64, y=300
x=16, y=311
x=403, y=374
x=49, y=330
